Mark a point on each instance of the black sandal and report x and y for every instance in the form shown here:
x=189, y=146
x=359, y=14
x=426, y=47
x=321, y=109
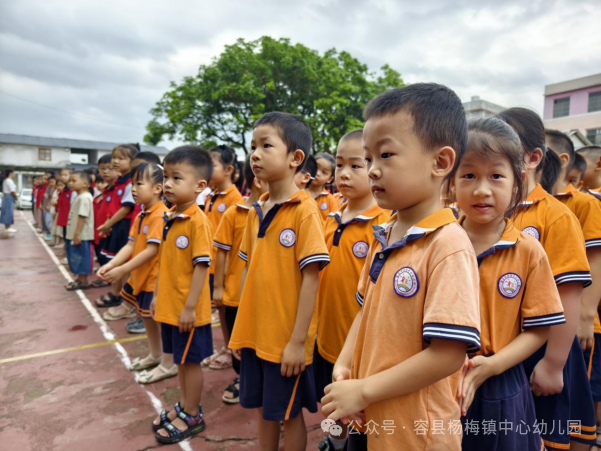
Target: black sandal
x=234, y=391
x=195, y=426
x=77, y=285
x=164, y=418
x=99, y=284
x=109, y=301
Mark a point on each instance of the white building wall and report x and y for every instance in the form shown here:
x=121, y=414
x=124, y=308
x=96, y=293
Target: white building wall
x=24, y=155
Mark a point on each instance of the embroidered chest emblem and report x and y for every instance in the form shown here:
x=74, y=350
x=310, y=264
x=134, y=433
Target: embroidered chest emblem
x=510, y=285
x=287, y=238
x=406, y=282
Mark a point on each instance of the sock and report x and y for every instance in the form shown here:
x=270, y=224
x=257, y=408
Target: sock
x=338, y=442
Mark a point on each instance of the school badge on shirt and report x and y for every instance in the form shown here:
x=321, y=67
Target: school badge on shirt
x=181, y=242
x=287, y=237
x=108, y=199
x=360, y=249
x=221, y=208
x=509, y=285
x=120, y=192
x=406, y=282
x=145, y=230
x=532, y=231
x=323, y=206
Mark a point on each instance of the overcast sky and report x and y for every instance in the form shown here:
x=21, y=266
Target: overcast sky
x=108, y=61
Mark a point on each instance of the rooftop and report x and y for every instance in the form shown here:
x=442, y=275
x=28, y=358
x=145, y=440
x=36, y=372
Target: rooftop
x=71, y=143
x=573, y=85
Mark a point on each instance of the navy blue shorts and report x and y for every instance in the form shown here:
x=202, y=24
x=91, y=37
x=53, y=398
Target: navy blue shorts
x=282, y=398
x=503, y=398
x=113, y=243
x=230, y=320
x=187, y=347
x=592, y=357
x=81, y=257
x=574, y=403
x=322, y=369
x=141, y=301
x=211, y=285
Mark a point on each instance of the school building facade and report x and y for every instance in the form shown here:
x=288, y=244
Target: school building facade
x=575, y=106
x=30, y=155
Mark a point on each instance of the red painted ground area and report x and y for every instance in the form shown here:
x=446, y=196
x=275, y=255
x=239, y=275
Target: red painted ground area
x=87, y=399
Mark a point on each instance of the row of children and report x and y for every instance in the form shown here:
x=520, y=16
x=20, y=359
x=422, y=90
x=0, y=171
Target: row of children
x=441, y=331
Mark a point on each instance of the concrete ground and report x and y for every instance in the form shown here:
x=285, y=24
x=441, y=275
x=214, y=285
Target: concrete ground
x=64, y=382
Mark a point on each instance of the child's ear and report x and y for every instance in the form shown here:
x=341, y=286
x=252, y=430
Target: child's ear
x=534, y=158
x=565, y=160
x=229, y=170
x=158, y=188
x=200, y=186
x=579, y=186
x=444, y=160
x=598, y=165
x=298, y=156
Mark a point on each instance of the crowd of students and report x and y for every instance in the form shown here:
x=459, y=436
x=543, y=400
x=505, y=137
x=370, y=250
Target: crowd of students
x=434, y=285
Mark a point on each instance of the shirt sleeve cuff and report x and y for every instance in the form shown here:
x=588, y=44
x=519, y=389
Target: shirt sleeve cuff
x=593, y=243
x=359, y=299
x=322, y=259
x=130, y=238
x=219, y=245
x=468, y=335
x=153, y=240
x=243, y=256
x=128, y=204
x=202, y=259
x=544, y=320
x=576, y=276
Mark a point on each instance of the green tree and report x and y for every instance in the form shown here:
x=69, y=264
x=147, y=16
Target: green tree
x=220, y=103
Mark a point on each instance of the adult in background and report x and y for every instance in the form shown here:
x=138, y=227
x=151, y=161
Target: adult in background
x=9, y=189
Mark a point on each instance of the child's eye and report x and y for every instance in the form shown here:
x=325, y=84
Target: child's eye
x=338, y=166
x=386, y=155
x=468, y=176
x=253, y=148
x=367, y=160
x=266, y=145
x=497, y=176
x=355, y=166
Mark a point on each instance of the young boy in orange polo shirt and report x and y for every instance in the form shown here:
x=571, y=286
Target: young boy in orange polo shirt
x=284, y=248
x=183, y=303
x=419, y=288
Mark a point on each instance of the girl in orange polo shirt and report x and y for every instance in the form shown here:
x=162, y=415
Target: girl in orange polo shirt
x=518, y=297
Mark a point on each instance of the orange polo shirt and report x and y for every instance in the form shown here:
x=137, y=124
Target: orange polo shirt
x=215, y=206
x=339, y=199
x=348, y=244
x=326, y=203
x=422, y=287
x=558, y=230
x=186, y=243
x=228, y=238
x=517, y=290
x=147, y=228
x=277, y=247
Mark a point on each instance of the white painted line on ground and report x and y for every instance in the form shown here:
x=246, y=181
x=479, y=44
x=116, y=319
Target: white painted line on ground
x=104, y=328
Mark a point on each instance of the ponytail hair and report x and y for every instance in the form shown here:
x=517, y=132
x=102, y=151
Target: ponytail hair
x=130, y=150
x=148, y=171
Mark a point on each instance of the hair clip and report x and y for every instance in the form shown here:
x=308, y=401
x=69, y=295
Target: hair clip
x=160, y=167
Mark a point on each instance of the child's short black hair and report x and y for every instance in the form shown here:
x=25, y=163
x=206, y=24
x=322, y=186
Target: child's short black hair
x=149, y=157
x=130, y=150
x=105, y=159
x=551, y=167
x=197, y=157
x=591, y=152
x=227, y=157
x=560, y=143
x=51, y=178
x=248, y=174
x=292, y=129
x=148, y=171
x=529, y=127
x=310, y=168
x=438, y=115
x=579, y=163
x=85, y=176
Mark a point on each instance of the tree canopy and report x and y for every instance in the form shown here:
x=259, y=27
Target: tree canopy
x=220, y=104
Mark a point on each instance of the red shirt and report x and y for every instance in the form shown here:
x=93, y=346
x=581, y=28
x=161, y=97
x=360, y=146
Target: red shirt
x=40, y=195
x=63, y=206
x=115, y=199
x=99, y=216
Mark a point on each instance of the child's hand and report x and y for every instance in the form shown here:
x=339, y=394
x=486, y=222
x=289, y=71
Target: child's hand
x=218, y=296
x=479, y=369
x=76, y=240
x=153, y=306
x=187, y=318
x=293, y=359
x=546, y=380
x=237, y=354
x=103, y=270
x=104, y=230
x=341, y=373
x=586, y=333
x=466, y=364
x=344, y=399
x=114, y=275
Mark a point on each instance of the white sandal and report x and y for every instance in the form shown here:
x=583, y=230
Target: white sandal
x=138, y=365
x=109, y=315
x=216, y=354
x=147, y=377
x=223, y=362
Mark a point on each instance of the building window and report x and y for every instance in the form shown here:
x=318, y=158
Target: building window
x=594, y=136
x=594, y=101
x=561, y=107
x=44, y=154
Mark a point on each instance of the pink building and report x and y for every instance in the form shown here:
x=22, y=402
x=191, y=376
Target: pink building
x=575, y=105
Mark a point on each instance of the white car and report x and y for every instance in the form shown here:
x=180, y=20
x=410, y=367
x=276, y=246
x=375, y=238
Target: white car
x=24, y=199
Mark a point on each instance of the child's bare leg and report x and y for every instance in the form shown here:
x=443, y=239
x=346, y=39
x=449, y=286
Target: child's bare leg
x=168, y=358
x=153, y=334
x=295, y=434
x=125, y=307
x=83, y=278
x=269, y=433
x=191, y=380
